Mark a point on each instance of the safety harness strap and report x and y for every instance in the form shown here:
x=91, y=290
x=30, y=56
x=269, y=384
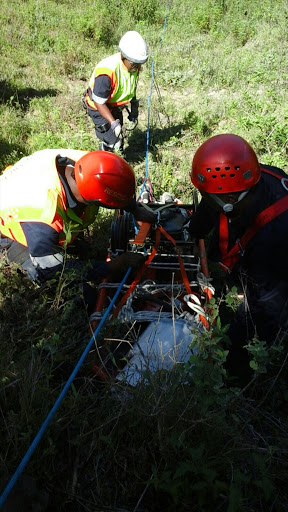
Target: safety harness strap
x=224, y=233
x=138, y=275
x=140, y=272
x=202, y=318
x=142, y=233
x=181, y=264
x=159, y=230
x=229, y=259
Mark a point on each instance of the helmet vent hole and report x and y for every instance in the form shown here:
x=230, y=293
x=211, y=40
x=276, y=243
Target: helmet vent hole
x=217, y=168
x=208, y=169
x=237, y=168
x=80, y=169
x=227, y=168
x=222, y=175
x=214, y=176
x=232, y=175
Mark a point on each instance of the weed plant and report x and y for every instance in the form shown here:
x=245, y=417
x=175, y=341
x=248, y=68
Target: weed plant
x=189, y=440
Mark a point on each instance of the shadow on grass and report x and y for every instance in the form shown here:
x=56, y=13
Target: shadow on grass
x=8, y=152
x=21, y=97
x=136, y=150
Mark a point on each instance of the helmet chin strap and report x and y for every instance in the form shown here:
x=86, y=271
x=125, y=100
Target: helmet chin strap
x=228, y=207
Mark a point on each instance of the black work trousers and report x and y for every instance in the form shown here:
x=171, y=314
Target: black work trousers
x=263, y=313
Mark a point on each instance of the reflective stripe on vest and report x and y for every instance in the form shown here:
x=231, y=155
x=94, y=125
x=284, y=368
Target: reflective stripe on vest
x=230, y=258
x=123, y=83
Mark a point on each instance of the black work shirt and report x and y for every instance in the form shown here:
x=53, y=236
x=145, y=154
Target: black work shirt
x=102, y=87
x=265, y=256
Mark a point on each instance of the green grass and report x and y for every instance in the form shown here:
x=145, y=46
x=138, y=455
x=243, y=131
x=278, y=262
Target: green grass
x=180, y=444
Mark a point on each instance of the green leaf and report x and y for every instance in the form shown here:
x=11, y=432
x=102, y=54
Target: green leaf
x=253, y=364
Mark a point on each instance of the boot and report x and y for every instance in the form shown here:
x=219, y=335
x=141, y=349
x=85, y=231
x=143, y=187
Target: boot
x=105, y=147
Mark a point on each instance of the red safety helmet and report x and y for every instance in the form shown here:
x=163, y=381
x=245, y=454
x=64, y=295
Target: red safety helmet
x=225, y=163
x=105, y=177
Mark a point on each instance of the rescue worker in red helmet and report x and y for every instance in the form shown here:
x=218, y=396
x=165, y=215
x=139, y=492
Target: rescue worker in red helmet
x=48, y=198
x=112, y=87
x=245, y=203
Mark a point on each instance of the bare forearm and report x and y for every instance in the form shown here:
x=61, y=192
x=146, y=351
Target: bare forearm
x=105, y=112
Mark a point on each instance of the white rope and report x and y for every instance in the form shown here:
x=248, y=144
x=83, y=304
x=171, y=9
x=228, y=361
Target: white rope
x=130, y=316
x=195, y=305
x=148, y=285
x=126, y=313
x=192, y=320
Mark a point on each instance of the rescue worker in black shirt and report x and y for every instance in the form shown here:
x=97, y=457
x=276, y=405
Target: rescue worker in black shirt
x=112, y=87
x=245, y=203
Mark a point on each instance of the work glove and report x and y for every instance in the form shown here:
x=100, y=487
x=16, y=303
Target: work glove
x=134, y=111
x=117, y=128
x=81, y=248
x=142, y=214
x=119, y=265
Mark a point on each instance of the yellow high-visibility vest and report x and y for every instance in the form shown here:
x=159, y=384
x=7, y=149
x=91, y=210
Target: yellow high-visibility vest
x=31, y=191
x=123, y=82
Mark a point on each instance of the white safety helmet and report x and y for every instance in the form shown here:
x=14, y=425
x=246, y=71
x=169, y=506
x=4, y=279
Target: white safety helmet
x=133, y=47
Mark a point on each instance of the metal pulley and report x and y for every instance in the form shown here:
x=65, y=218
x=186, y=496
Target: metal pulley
x=120, y=231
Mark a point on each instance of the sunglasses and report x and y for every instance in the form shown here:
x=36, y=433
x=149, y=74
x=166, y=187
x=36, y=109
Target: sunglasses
x=134, y=65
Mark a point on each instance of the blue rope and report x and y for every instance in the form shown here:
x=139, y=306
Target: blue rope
x=45, y=424
x=148, y=118
x=148, y=128
x=149, y=102
x=165, y=22
x=147, y=141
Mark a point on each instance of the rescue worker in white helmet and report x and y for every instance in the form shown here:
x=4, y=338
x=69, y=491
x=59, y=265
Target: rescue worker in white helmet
x=48, y=198
x=112, y=86
x=245, y=207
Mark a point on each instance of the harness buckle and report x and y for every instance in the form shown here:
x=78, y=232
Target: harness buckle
x=222, y=265
x=102, y=128
x=241, y=249
x=284, y=183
